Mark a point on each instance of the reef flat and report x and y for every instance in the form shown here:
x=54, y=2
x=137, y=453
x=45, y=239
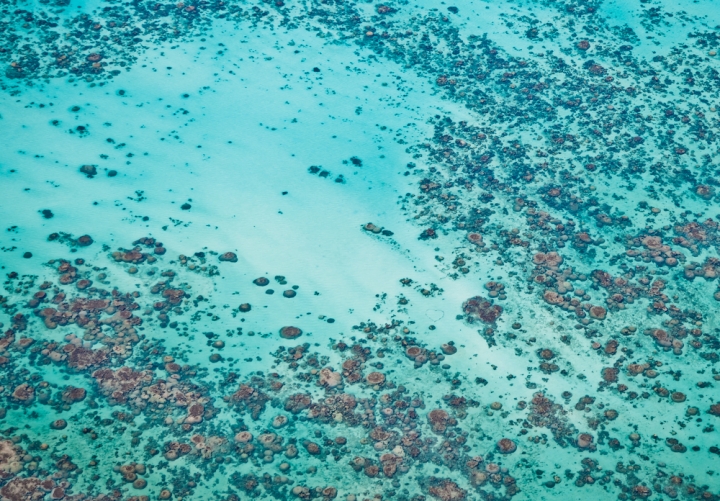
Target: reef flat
x=365, y=251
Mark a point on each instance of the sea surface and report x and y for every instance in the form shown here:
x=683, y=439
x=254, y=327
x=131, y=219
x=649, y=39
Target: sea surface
x=359, y=250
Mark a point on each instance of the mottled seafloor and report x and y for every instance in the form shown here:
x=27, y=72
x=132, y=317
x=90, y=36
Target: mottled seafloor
x=359, y=250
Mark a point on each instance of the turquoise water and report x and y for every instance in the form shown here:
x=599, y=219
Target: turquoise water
x=318, y=250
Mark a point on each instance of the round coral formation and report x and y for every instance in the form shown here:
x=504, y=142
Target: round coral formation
x=413, y=351
x=553, y=298
x=290, y=332
x=506, y=446
x=475, y=238
x=448, y=349
x=58, y=424
x=584, y=440
x=375, y=378
x=229, y=257
x=243, y=437
x=678, y=396
x=279, y=421
x=598, y=312
x=546, y=354
x=83, y=284
x=72, y=394
x=85, y=240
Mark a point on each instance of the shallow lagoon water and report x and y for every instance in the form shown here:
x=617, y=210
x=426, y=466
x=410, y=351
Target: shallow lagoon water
x=497, y=221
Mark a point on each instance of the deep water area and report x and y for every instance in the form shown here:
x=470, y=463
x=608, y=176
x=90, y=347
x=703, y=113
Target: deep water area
x=359, y=250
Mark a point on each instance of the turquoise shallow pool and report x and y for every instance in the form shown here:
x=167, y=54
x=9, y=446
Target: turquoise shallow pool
x=323, y=250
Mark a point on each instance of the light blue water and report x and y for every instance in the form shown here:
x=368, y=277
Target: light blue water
x=352, y=154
